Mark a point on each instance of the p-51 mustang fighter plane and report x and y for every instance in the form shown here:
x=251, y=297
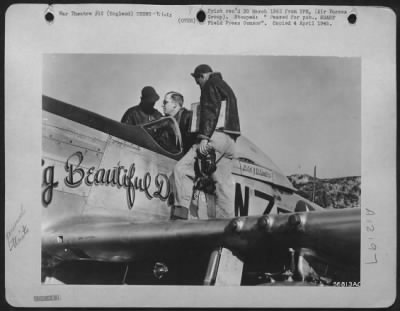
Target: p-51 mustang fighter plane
x=106, y=197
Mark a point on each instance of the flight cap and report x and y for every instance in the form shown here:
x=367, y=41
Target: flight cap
x=200, y=69
x=149, y=95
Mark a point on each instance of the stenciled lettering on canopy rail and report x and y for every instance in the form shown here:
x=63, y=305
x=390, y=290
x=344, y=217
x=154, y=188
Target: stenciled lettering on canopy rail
x=118, y=176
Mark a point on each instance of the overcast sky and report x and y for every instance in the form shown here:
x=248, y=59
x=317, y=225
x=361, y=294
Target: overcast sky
x=301, y=111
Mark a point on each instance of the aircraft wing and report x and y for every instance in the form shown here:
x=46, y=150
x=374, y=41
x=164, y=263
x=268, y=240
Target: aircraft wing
x=334, y=233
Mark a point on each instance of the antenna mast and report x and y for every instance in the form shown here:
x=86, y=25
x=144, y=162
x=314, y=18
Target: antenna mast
x=315, y=177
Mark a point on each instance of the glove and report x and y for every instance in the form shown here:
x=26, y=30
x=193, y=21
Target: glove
x=207, y=163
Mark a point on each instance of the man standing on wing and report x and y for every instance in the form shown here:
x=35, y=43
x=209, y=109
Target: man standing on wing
x=145, y=111
x=173, y=106
x=221, y=139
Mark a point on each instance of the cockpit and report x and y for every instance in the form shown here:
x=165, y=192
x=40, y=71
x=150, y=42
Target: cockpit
x=162, y=136
x=165, y=132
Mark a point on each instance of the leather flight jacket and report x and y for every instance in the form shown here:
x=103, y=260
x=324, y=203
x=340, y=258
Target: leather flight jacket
x=184, y=119
x=141, y=114
x=214, y=91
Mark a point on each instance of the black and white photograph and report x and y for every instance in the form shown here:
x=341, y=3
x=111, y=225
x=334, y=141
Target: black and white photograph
x=200, y=156
x=158, y=170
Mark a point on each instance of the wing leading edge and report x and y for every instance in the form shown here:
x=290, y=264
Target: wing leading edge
x=334, y=233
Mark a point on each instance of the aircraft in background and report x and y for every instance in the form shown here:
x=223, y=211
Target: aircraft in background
x=106, y=205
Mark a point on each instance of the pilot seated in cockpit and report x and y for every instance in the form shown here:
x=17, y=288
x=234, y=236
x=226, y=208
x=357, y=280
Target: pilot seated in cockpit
x=173, y=106
x=218, y=130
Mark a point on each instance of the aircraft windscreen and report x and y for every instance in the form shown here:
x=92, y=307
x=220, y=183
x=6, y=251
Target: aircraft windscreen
x=166, y=133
